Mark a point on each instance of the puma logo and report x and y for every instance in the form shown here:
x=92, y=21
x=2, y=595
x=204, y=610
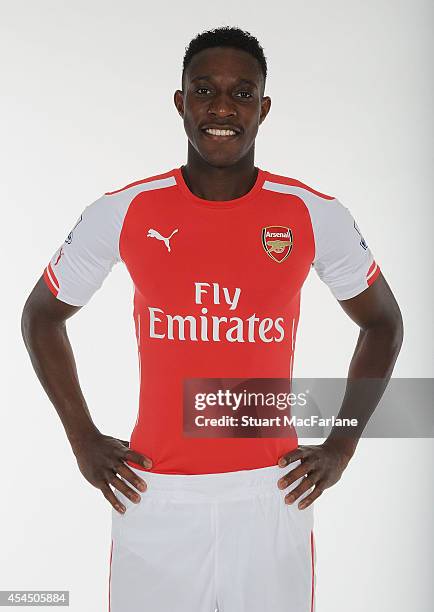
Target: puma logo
x=154, y=234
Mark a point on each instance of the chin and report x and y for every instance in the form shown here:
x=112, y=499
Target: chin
x=218, y=160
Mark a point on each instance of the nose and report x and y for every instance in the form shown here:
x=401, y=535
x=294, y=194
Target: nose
x=221, y=106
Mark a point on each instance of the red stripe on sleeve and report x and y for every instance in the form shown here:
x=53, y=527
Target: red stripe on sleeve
x=52, y=275
x=49, y=284
x=374, y=276
x=372, y=266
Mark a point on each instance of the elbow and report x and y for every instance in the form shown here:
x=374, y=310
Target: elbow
x=388, y=330
x=26, y=322
x=398, y=327
x=29, y=319
x=394, y=329
x=399, y=333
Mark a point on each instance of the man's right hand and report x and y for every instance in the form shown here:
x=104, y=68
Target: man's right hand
x=101, y=458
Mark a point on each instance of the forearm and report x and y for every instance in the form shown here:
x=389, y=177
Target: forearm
x=53, y=360
x=369, y=373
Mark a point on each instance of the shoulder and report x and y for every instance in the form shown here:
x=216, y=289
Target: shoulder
x=113, y=205
x=149, y=183
x=325, y=211
x=289, y=185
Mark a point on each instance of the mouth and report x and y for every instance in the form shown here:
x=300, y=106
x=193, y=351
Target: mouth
x=220, y=135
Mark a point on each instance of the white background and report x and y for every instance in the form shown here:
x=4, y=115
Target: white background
x=86, y=107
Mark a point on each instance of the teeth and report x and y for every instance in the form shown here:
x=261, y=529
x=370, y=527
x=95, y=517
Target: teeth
x=220, y=132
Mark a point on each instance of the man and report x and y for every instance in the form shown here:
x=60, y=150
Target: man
x=218, y=250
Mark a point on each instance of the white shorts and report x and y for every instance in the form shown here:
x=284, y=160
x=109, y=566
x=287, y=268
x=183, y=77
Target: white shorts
x=213, y=542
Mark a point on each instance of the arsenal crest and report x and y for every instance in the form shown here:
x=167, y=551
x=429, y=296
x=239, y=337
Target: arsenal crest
x=277, y=242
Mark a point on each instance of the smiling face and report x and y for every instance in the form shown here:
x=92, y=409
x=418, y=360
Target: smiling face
x=222, y=90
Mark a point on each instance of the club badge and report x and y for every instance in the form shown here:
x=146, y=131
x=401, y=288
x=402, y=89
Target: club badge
x=277, y=242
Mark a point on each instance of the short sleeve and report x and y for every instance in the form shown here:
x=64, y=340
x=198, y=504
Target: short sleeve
x=343, y=260
x=79, y=266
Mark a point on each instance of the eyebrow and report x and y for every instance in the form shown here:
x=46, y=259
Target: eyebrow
x=207, y=77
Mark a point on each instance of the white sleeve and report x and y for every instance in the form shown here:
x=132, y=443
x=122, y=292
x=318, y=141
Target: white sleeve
x=343, y=259
x=79, y=266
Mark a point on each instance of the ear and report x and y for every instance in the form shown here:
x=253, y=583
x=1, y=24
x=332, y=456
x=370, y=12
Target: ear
x=178, y=99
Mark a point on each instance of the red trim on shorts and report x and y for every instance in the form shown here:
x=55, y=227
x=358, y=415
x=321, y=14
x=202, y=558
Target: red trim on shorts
x=110, y=576
x=312, y=555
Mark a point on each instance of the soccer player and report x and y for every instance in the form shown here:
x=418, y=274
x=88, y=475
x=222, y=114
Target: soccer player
x=218, y=251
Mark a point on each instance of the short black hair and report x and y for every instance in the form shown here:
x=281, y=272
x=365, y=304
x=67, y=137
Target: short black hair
x=225, y=36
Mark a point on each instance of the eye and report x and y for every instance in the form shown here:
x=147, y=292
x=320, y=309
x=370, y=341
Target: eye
x=245, y=92
x=201, y=88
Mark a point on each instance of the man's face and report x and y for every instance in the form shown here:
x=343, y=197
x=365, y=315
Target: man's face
x=222, y=88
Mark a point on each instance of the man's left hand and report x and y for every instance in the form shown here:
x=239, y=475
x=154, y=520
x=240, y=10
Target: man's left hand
x=321, y=466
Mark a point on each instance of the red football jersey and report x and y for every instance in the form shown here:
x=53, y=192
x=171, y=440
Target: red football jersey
x=217, y=294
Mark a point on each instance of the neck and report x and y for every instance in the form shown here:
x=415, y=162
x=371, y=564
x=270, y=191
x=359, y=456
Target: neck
x=219, y=183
